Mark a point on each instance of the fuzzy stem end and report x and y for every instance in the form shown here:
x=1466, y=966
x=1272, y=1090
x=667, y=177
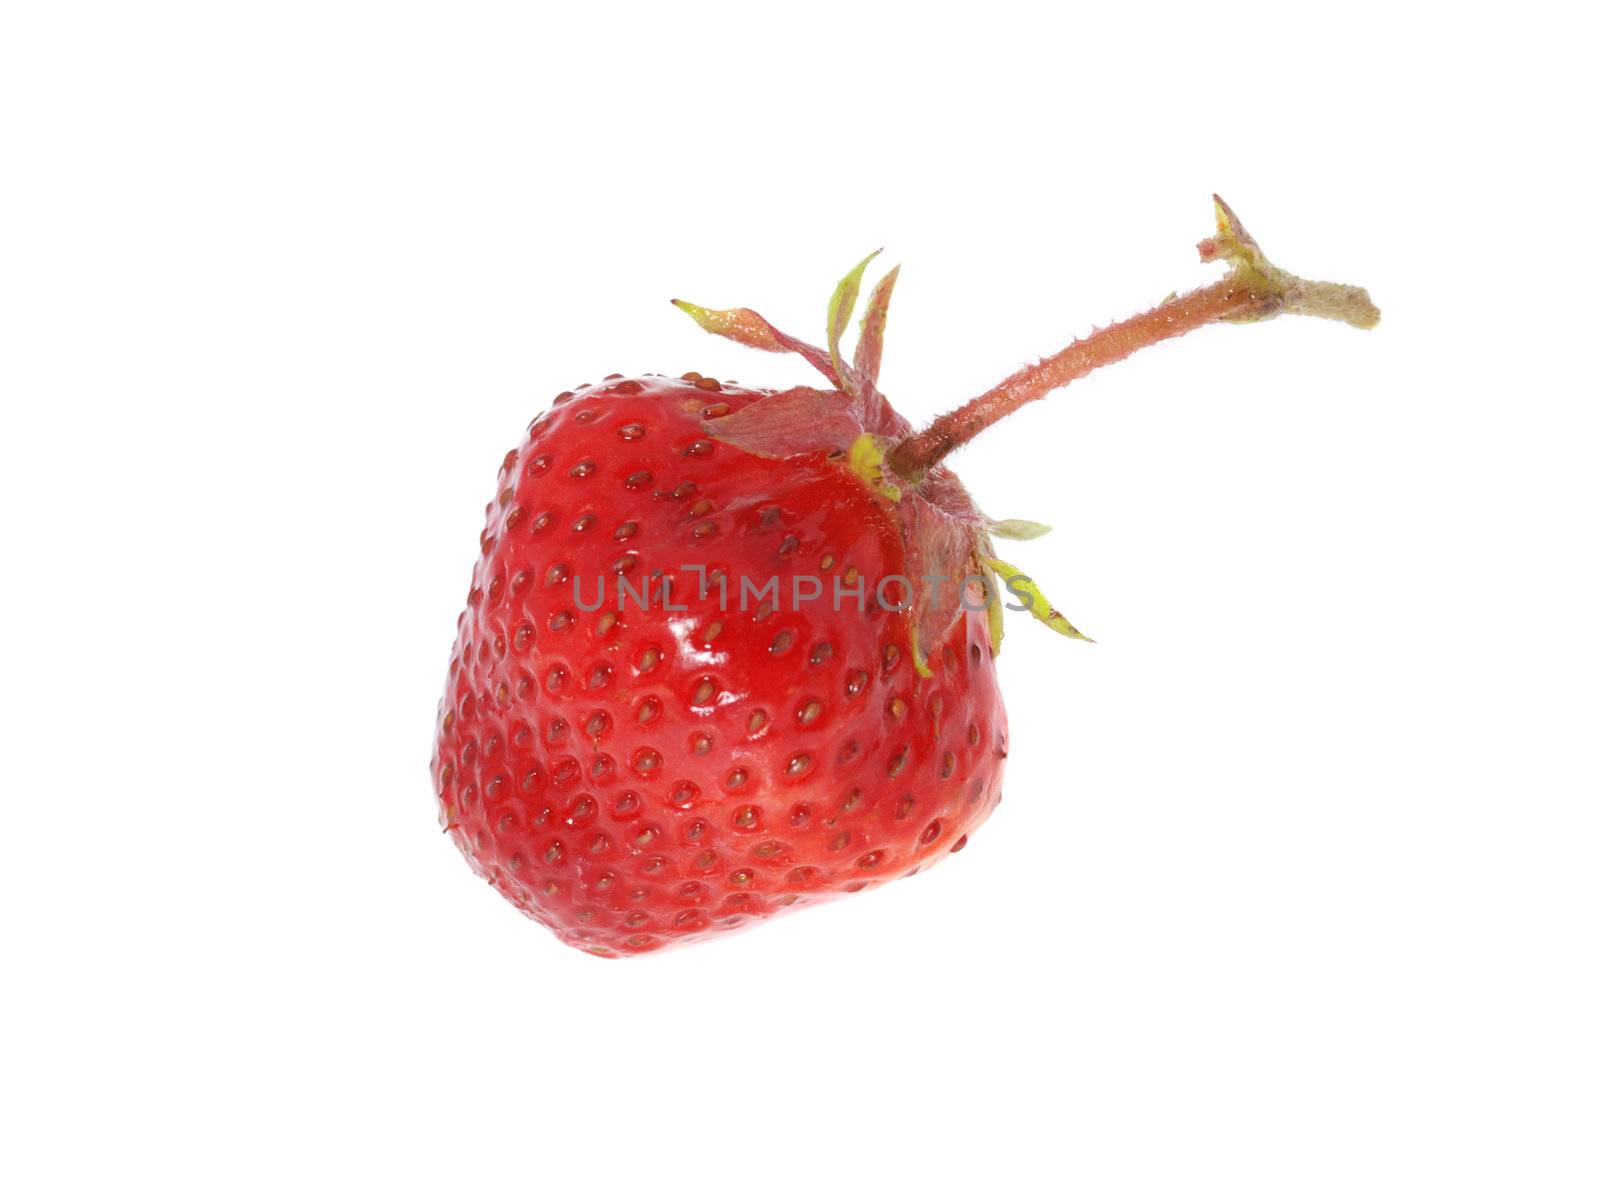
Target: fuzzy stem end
x=1254, y=290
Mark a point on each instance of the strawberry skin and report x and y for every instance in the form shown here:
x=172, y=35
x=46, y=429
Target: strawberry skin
x=632, y=777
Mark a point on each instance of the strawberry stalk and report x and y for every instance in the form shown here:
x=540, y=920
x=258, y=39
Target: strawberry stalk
x=1254, y=289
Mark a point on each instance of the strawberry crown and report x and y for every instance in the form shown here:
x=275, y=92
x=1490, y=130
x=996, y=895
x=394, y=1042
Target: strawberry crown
x=857, y=379
x=892, y=459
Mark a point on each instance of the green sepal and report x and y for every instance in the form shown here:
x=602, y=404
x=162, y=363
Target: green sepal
x=743, y=325
x=869, y=343
x=840, y=307
x=996, y=610
x=1037, y=604
x=1022, y=529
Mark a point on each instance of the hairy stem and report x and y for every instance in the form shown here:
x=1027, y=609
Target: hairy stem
x=922, y=451
x=1254, y=289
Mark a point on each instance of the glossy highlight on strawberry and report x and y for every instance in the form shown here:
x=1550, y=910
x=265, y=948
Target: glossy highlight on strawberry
x=641, y=743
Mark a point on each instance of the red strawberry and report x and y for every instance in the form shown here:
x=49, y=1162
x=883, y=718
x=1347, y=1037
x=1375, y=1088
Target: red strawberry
x=640, y=742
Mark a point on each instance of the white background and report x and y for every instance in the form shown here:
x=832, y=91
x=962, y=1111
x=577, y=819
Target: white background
x=1296, y=872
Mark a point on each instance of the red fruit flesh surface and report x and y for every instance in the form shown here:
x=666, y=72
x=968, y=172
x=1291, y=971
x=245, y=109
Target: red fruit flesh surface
x=635, y=777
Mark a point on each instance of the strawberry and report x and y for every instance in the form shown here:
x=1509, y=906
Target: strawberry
x=729, y=651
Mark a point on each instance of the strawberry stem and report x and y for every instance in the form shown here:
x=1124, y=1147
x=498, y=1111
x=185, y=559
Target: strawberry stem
x=1254, y=290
